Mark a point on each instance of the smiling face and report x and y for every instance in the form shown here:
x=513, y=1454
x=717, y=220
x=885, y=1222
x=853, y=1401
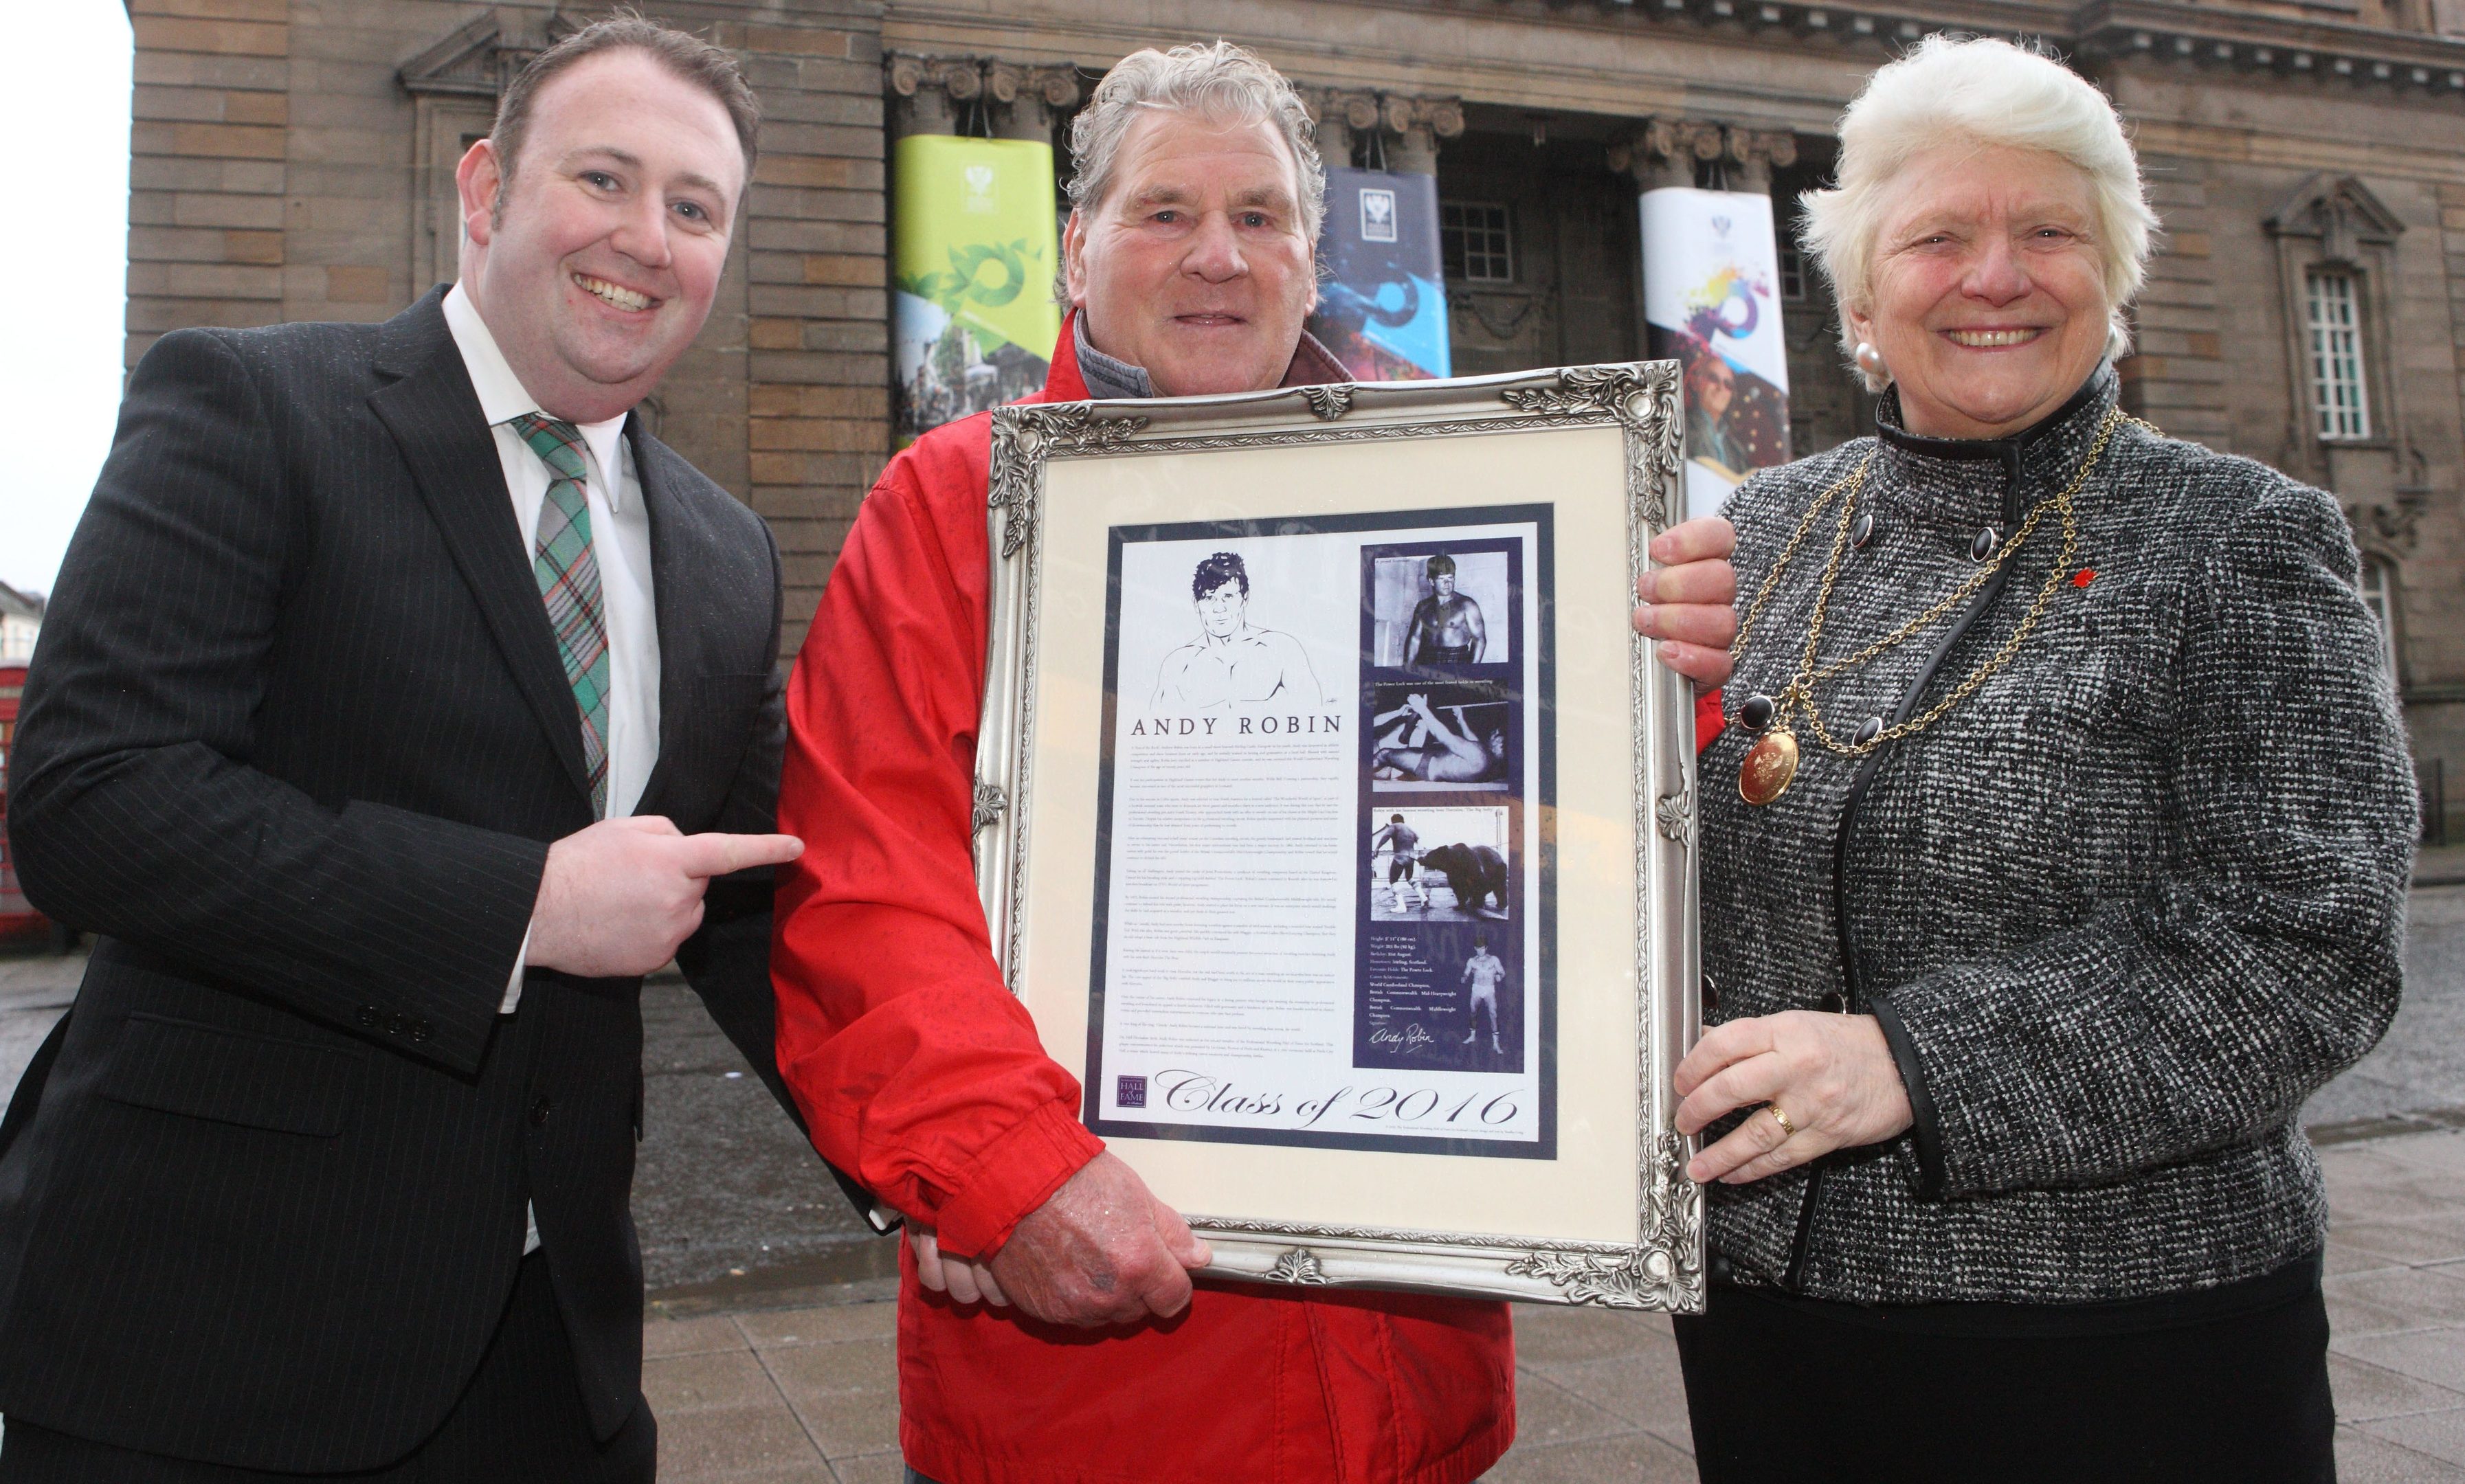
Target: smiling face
x=1194, y=265
x=596, y=266
x=1713, y=386
x=1987, y=299
x=1219, y=613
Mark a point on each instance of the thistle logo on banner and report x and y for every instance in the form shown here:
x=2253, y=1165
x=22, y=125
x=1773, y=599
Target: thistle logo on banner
x=978, y=197
x=1377, y=215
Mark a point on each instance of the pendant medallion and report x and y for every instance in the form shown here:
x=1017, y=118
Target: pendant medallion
x=1769, y=767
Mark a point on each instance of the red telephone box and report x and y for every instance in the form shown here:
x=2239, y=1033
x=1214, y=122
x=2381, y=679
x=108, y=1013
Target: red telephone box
x=18, y=920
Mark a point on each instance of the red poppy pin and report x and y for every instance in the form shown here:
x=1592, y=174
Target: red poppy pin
x=2083, y=577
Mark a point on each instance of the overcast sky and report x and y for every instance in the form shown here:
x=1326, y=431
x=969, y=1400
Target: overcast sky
x=65, y=100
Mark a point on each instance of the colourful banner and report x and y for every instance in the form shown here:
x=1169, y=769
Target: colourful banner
x=1711, y=265
x=1383, y=305
x=974, y=244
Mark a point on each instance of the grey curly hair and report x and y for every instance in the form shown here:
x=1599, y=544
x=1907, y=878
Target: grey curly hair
x=1217, y=80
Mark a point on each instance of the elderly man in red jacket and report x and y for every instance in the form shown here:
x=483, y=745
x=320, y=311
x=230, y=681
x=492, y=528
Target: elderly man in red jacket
x=1047, y=1329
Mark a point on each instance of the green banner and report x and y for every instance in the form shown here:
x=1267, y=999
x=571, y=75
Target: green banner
x=974, y=243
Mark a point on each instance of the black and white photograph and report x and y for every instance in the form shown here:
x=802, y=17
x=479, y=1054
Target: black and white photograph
x=1446, y=996
x=1457, y=737
x=1442, y=607
x=1438, y=865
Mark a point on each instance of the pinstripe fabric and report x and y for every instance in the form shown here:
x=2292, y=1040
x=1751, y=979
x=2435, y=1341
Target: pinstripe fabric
x=566, y=570
x=296, y=746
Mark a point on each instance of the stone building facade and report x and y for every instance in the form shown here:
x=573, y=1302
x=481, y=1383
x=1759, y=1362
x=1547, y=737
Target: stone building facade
x=292, y=159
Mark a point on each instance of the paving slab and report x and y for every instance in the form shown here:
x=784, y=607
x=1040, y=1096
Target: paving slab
x=809, y=1390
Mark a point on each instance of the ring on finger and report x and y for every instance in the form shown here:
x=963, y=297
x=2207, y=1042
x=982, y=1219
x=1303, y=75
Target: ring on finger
x=1787, y=1129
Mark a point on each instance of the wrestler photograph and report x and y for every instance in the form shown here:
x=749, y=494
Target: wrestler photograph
x=1433, y=738
x=1439, y=608
x=1457, y=865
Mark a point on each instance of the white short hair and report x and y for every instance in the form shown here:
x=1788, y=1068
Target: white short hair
x=1216, y=80
x=1953, y=90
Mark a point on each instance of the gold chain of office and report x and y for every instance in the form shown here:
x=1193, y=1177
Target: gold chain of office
x=1772, y=762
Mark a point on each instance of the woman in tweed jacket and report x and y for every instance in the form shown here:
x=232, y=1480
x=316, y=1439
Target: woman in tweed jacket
x=2036, y=1204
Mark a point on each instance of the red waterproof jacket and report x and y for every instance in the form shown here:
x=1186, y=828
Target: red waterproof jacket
x=919, y=1073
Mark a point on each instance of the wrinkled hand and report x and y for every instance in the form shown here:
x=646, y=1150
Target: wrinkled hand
x=1688, y=603
x=1832, y=1074
x=1101, y=1251
x=618, y=897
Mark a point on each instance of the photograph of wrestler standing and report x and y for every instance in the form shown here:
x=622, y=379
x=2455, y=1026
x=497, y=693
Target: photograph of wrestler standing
x=1442, y=608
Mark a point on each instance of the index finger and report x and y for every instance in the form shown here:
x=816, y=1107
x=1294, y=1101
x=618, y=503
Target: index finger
x=1720, y=1046
x=718, y=854
x=1695, y=541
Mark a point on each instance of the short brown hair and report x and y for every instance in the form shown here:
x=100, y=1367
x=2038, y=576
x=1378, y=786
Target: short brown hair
x=710, y=68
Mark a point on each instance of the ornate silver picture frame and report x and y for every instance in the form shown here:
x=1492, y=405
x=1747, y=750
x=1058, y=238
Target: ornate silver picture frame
x=1338, y=832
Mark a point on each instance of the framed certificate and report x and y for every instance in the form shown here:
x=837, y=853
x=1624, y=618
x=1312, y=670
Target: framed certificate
x=1339, y=832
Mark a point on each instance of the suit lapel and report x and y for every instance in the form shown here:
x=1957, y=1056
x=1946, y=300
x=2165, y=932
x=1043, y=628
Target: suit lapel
x=675, y=535
x=436, y=419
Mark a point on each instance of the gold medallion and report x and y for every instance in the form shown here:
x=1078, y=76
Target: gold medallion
x=1769, y=765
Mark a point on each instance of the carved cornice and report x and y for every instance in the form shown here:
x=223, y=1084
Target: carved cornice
x=2341, y=212
x=1688, y=140
x=963, y=78
x=479, y=57
x=1395, y=113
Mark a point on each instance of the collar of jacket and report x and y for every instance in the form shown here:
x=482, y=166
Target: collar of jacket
x=1973, y=479
x=1082, y=372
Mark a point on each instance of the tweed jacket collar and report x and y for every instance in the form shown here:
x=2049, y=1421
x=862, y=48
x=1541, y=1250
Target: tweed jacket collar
x=1969, y=481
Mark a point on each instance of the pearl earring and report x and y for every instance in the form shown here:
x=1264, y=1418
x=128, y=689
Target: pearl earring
x=1869, y=359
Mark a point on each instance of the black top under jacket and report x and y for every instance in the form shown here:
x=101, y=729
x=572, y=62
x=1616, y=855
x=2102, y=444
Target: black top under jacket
x=295, y=745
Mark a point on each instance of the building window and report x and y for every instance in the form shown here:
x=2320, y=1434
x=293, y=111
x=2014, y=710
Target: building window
x=2379, y=597
x=1476, y=242
x=1793, y=275
x=2336, y=377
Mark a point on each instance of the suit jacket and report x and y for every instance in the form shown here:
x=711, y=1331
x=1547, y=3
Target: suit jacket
x=295, y=746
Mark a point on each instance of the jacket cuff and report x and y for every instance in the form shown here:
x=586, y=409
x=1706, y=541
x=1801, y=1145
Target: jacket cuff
x=1012, y=1176
x=1926, y=1133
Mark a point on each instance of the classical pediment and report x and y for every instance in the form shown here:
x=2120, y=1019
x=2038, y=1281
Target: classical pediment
x=2341, y=212
x=480, y=57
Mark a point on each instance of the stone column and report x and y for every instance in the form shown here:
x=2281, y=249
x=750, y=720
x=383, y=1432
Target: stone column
x=1752, y=154
x=1028, y=100
x=1417, y=124
x=1664, y=152
x=925, y=93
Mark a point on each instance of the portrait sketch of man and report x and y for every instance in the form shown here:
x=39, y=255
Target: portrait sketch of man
x=1234, y=665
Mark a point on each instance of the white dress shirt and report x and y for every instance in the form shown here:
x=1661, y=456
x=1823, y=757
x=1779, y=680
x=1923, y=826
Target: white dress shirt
x=620, y=537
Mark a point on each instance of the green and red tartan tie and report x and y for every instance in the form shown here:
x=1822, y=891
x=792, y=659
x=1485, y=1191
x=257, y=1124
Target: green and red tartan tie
x=569, y=584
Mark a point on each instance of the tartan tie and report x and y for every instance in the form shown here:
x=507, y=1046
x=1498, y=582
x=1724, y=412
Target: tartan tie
x=569, y=584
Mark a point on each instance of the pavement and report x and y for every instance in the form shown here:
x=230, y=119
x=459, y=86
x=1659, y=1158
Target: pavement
x=770, y=1340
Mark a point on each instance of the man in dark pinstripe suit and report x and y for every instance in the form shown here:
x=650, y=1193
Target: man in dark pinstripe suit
x=400, y=703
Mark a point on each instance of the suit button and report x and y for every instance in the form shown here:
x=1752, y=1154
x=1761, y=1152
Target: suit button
x=1833, y=1003
x=419, y=1031
x=369, y=1016
x=1711, y=995
x=1719, y=1269
x=539, y=1111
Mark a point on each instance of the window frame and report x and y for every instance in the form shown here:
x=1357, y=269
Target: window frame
x=1460, y=232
